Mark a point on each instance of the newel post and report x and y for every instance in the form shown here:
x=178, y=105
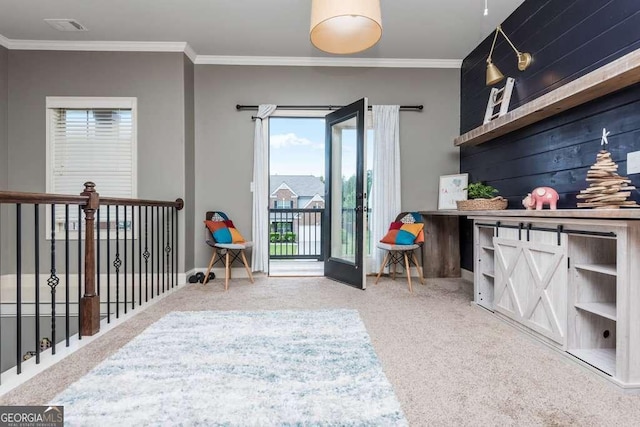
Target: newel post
x=90, y=302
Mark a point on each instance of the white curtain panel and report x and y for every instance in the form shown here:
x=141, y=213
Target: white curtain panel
x=385, y=188
x=260, y=229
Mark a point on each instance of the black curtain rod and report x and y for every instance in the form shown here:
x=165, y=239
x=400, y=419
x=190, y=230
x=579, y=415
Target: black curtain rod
x=322, y=107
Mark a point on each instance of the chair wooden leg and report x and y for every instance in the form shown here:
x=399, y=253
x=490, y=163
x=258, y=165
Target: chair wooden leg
x=213, y=260
x=246, y=265
x=384, y=263
x=395, y=263
x=227, y=272
x=415, y=260
x=406, y=263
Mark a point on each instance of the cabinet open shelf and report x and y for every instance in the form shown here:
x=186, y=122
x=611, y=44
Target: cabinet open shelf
x=601, y=358
x=489, y=274
x=604, y=309
x=609, y=269
x=488, y=248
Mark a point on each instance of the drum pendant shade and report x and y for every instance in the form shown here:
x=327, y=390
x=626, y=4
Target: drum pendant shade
x=345, y=26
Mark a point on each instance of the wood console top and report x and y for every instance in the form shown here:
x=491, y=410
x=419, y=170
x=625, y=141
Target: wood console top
x=560, y=213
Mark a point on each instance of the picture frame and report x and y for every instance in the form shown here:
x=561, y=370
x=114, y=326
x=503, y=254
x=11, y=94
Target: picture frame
x=451, y=189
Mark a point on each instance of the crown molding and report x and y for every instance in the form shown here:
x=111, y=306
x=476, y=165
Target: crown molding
x=106, y=46
x=295, y=61
x=99, y=46
x=4, y=41
x=191, y=54
x=327, y=62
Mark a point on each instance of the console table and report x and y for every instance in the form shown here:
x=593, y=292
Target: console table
x=568, y=278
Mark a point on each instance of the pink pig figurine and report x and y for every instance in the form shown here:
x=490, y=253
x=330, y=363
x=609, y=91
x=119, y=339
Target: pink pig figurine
x=541, y=196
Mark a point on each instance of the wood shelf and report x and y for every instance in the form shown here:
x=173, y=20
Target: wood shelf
x=488, y=248
x=609, y=269
x=604, y=309
x=489, y=274
x=601, y=358
x=609, y=78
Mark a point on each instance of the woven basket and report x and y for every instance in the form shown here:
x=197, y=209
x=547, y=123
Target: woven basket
x=497, y=203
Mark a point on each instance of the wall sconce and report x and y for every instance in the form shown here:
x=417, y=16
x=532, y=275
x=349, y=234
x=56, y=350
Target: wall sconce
x=345, y=26
x=493, y=74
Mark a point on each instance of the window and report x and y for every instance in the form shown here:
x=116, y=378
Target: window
x=91, y=139
x=283, y=204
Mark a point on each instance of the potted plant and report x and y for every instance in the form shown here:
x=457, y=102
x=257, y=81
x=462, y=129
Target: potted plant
x=481, y=197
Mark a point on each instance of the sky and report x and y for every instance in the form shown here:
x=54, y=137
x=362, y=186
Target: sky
x=297, y=147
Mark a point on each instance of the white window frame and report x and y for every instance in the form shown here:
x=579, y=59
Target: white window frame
x=90, y=102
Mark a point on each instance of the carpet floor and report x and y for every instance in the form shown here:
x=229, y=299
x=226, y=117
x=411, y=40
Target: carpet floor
x=449, y=362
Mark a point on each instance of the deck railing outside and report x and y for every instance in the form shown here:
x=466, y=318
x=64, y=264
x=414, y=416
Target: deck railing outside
x=75, y=261
x=298, y=233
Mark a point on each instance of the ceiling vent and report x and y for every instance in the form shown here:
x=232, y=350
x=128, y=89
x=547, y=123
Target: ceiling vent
x=66, y=24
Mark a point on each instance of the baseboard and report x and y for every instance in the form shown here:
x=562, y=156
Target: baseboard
x=236, y=272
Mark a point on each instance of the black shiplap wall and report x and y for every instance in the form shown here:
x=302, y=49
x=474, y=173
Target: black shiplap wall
x=568, y=39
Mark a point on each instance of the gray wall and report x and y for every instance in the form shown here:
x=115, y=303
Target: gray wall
x=156, y=79
x=224, y=137
x=189, y=167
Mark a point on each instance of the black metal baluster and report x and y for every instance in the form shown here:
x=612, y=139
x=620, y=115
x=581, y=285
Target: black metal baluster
x=146, y=256
x=151, y=253
x=140, y=256
x=36, y=232
x=124, y=231
x=158, y=250
x=176, y=248
x=163, y=249
x=133, y=260
x=67, y=317
x=173, y=259
x=108, y=264
x=117, y=263
x=167, y=248
x=79, y=271
x=19, y=287
x=53, y=279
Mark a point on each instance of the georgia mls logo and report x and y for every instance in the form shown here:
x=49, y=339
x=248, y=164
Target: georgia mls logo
x=28, y=416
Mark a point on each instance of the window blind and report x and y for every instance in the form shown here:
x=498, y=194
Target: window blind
x=91, y=145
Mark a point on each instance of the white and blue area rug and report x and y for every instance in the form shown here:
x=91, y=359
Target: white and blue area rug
x=233, y=368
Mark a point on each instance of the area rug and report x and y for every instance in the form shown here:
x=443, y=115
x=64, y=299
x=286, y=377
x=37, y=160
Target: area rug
x=235, y=368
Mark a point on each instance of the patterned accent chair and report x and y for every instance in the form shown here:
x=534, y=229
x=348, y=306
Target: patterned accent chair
x=402, y=253
x=226, y=242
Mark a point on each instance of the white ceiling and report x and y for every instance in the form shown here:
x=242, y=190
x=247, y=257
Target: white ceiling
x=412, y=29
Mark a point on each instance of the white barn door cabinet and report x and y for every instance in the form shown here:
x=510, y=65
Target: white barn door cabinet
x=572, y=283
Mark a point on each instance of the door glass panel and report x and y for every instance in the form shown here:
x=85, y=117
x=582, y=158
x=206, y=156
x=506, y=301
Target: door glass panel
x=343, y=202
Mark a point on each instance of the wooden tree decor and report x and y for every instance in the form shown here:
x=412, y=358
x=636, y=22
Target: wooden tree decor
x=607, y=189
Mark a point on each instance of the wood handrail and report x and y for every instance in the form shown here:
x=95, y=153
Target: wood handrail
x=111, y=201
x=50, y=199
x=43, y=198
x=90, y=201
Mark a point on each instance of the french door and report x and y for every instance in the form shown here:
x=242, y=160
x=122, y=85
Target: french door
x=345, y=195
